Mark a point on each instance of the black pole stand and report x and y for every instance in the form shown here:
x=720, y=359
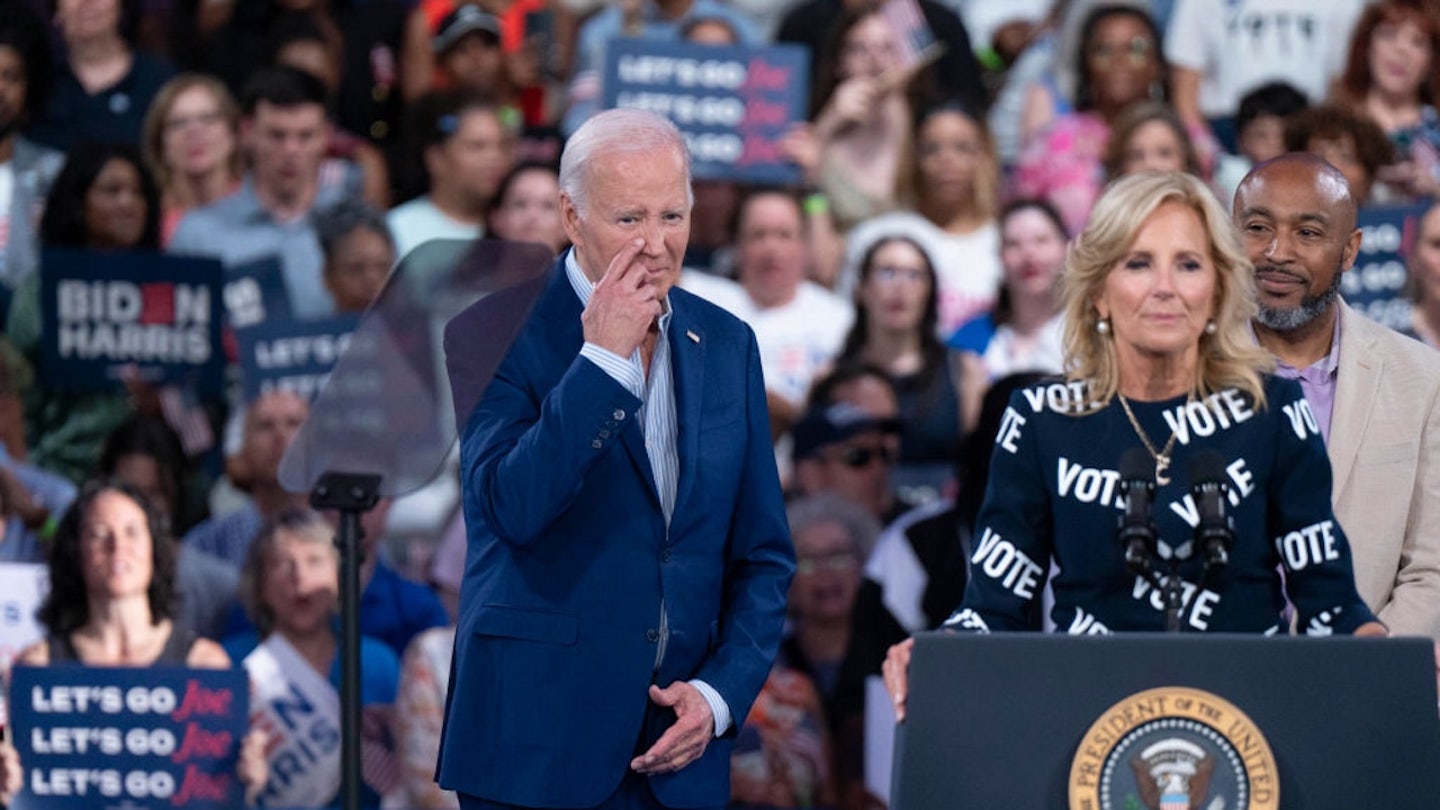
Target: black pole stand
x=1172, y=597
x=352, y=495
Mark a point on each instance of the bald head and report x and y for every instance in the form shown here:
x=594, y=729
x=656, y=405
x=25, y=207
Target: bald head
x=1296, y=218
x=1294, y=171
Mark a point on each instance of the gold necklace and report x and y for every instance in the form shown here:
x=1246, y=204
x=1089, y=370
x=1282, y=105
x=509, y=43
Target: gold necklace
x=1162, y=457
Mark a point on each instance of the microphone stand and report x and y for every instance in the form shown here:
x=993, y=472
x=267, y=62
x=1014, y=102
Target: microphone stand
x=352, y=495
x=1173, y=596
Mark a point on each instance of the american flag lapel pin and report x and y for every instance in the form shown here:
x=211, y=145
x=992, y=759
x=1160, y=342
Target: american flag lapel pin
x=694, y=338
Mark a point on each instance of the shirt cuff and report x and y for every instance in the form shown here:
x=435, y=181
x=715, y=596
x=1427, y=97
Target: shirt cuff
x=717, y=705
x=620, y=369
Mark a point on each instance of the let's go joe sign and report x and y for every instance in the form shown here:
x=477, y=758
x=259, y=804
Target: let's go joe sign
x=158, y=737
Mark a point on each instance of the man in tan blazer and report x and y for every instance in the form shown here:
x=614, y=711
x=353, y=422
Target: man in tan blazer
x=1374, y=393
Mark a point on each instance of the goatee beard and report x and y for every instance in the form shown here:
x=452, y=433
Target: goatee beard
x=1310, y=308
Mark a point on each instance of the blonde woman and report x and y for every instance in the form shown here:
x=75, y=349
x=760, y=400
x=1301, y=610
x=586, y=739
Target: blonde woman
x=291, y=587
x=1161, y=366
x=191, y=145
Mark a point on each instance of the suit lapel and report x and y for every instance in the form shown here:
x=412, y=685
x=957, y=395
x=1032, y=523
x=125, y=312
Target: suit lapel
x=1357, y=381
x=632, y=437
x=687, y=359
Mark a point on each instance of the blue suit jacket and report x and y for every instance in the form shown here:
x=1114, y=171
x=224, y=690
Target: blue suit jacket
x=569, y=557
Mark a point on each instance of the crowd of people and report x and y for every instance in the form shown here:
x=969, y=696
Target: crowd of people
x=1107, y=190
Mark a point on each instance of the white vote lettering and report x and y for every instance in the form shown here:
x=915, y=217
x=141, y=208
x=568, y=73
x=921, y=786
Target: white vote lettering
x=1302, y=419
x=1311, y=545
x=1009, y=433
x=1085, y=624
x=1000, y=560
x=1090, y=485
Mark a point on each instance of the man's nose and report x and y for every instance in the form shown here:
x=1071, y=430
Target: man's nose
x=654, y=240
x=1280, y=248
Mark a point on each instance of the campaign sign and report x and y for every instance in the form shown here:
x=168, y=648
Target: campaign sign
x=733, y=103
x=103, y=312
x=133, y=737
x=22, y=587
x=294, y=356
x=255, y=292
x=1375, y=286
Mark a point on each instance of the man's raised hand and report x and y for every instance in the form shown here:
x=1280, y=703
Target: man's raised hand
x=624, y=305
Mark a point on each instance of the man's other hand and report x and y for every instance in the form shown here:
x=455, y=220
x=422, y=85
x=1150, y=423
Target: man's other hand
x=684, y=742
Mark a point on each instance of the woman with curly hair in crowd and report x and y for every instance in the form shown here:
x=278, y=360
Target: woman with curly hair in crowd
x=112, y=604
x=1391, y=78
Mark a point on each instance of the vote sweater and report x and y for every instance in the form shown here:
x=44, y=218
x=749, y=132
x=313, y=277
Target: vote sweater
x=1055, y=494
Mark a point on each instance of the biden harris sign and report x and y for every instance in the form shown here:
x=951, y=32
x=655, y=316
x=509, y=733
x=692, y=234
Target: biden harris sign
x=106, y=315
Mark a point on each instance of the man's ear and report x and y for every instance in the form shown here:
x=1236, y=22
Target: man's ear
x=1352, y=250
x=570, y=218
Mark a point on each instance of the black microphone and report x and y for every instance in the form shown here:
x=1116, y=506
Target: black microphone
x=1215, y=533
x=1136, y=533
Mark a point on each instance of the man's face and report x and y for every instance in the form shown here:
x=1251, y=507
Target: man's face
x=858, y=469
x=271, y=424
x=12, y=90
x=475, y=63
x=1298, y=226
x=771, y=243
x=637, y=195
x=287, y=145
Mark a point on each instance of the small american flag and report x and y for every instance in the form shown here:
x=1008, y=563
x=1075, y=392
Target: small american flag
x=916, y=42
x=379, y=767
x=187, y=417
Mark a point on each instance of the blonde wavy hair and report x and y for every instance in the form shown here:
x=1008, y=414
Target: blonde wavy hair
x=1229, y=358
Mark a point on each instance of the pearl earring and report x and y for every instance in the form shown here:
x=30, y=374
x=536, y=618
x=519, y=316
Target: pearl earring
x=1103, y=326
x=1210, y=327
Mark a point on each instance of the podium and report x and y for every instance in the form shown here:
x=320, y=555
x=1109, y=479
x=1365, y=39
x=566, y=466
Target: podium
x=1168, y=722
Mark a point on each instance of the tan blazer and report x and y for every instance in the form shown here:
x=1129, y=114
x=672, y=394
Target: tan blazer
x=1385, y=453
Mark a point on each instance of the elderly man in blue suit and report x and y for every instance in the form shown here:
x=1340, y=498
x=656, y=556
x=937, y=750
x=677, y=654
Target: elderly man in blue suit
x=628, y=553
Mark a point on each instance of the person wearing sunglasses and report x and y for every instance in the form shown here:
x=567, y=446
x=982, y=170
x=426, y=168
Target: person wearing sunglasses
x=844, y=449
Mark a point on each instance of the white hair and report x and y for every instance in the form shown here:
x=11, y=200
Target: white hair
x=617, y=131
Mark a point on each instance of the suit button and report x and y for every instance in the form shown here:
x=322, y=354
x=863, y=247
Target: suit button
x=604, y=434
x=597, y=444
x=619, y=415
x=652, y=635
x=665, y=556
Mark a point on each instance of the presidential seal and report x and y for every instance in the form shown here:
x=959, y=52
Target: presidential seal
x=1174, y=748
